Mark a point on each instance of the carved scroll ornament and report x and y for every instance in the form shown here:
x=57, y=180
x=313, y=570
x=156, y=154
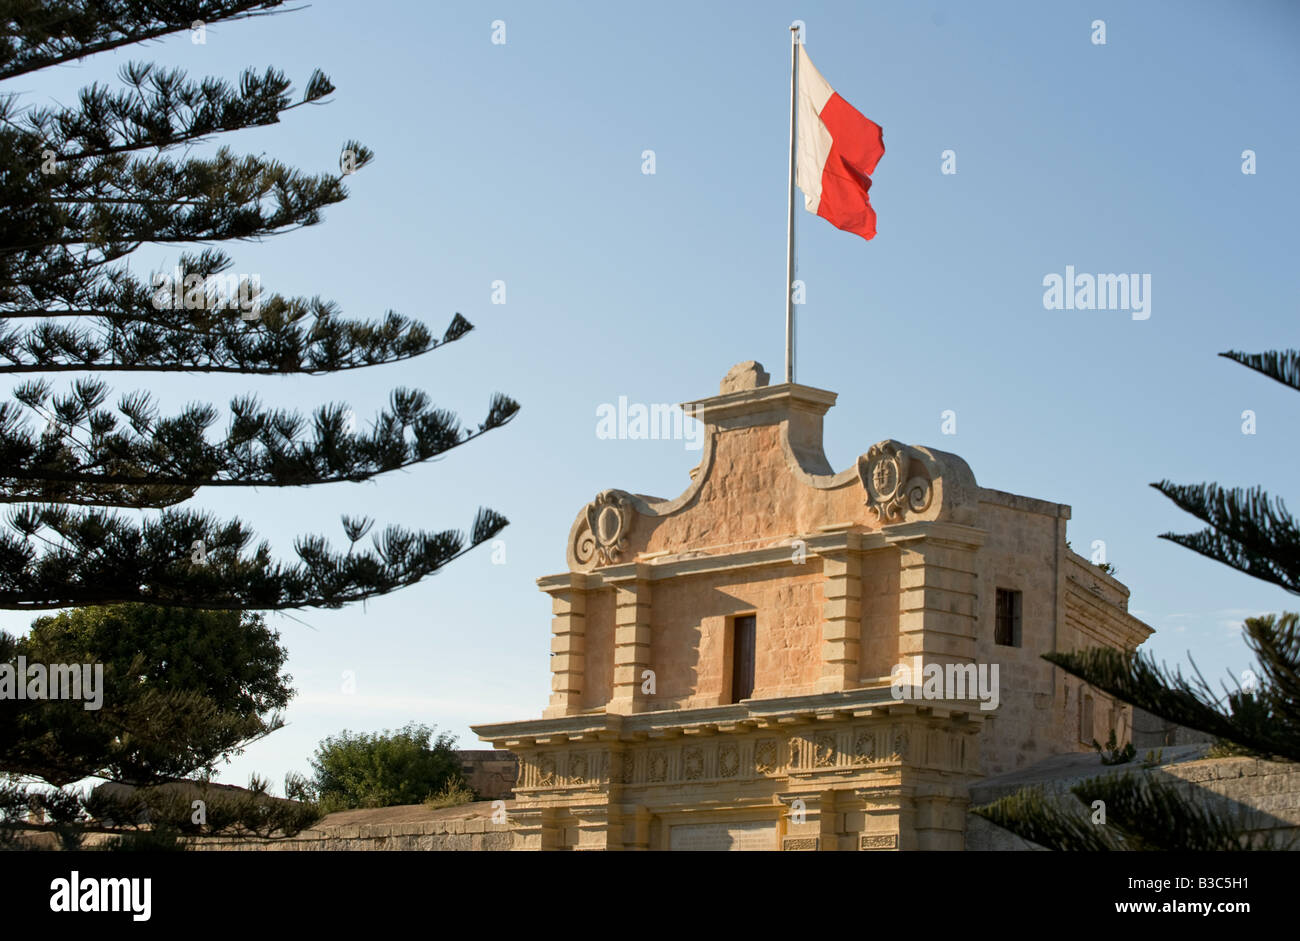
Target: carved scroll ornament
x=895, y=481
x=608, y=521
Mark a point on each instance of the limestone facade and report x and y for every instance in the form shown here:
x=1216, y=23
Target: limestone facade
x=900, y=559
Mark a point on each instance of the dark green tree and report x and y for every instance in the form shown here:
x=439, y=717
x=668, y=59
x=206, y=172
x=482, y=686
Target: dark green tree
x=381, y=769
x=1253, y=533
x=181, y=691
x=83, y=186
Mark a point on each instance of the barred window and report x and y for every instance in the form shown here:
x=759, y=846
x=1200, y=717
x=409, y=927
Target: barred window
x=1006, y=627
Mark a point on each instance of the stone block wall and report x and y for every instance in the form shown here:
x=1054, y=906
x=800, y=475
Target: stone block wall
x=466, y=829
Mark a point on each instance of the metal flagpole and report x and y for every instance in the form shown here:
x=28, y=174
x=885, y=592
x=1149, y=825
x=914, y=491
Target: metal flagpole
x=789, y=232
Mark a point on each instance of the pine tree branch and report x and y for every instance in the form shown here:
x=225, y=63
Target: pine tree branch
x=277, y=342
x=262, y=448
x=260, y=198
x=1136, y=812
x=1282, y=366
x=1031, y=815
x=1257, y=721
x=108, y=560
x=1249, y=531
x=40, y=33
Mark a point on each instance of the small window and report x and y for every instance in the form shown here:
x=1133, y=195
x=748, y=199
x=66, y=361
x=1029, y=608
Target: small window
x=1006, y=627
x=744, y=630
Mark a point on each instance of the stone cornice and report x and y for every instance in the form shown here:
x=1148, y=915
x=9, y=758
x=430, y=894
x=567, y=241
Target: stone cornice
x=661, y=566
x=1079, y=595
x=753, y=715
x=761, y=406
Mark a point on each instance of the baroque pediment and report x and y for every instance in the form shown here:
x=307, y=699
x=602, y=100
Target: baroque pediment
x=763, y=478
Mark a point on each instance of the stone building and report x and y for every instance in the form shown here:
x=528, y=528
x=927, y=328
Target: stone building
x=786, y=657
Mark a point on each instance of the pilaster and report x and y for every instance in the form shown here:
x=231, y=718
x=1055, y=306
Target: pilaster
x=568, y=644
x=631, y=644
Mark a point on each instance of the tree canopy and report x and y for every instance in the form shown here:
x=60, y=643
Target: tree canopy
x=86, y=184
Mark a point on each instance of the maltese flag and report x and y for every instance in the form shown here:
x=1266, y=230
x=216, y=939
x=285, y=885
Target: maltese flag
x=838, y=150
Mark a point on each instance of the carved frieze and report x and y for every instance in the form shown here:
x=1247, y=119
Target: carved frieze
x=546, y=770
x=728, y=760
x=824, y=753
x=880, y=841
x=658, y=770
x=578, y=767
x=864, y=746
x=794, y=844
x=693, y=763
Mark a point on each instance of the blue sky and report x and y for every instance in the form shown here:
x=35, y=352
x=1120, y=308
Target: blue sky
x=522, y=162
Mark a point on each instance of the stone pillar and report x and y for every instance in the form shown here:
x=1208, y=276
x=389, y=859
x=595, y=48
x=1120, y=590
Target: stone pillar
x=801, y=824
x=640, y=829
x=536, y=828
x=937, y=592
x=841, y=621
x=631, y=644
x=888, y=818
x=568, y=644
x=940, y=820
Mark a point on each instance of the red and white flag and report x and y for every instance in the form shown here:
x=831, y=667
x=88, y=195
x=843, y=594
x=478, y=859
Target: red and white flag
x=838, y=150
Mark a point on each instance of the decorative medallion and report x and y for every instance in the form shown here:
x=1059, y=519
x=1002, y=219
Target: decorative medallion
x=728, y=760
x=765, y=756
x=658, y=765
x=864, y=746
x=609, y=520
x=900, y=744
x=546, y=770
x=578, y=767
x=693, y=763
x=892, y=490
x=626, y=763
x=824, y=755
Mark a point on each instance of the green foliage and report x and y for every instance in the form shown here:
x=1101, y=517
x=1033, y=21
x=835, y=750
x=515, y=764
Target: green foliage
x=453, y=794
x=1248, y=530
x=83, y=186
x=1112, y=754
x=156, y=840
x=1126, y=812
x=1253, y=533
x=383, y=769
x=1032, y=815
x=182, y=689
x=156, y=817
x=1265, y=720
x=235, y=812
x=233, y=657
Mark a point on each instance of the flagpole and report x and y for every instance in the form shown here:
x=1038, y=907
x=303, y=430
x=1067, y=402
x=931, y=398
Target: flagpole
x=789, y=232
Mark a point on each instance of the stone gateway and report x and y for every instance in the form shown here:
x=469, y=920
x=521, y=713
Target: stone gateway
x=725, y=669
